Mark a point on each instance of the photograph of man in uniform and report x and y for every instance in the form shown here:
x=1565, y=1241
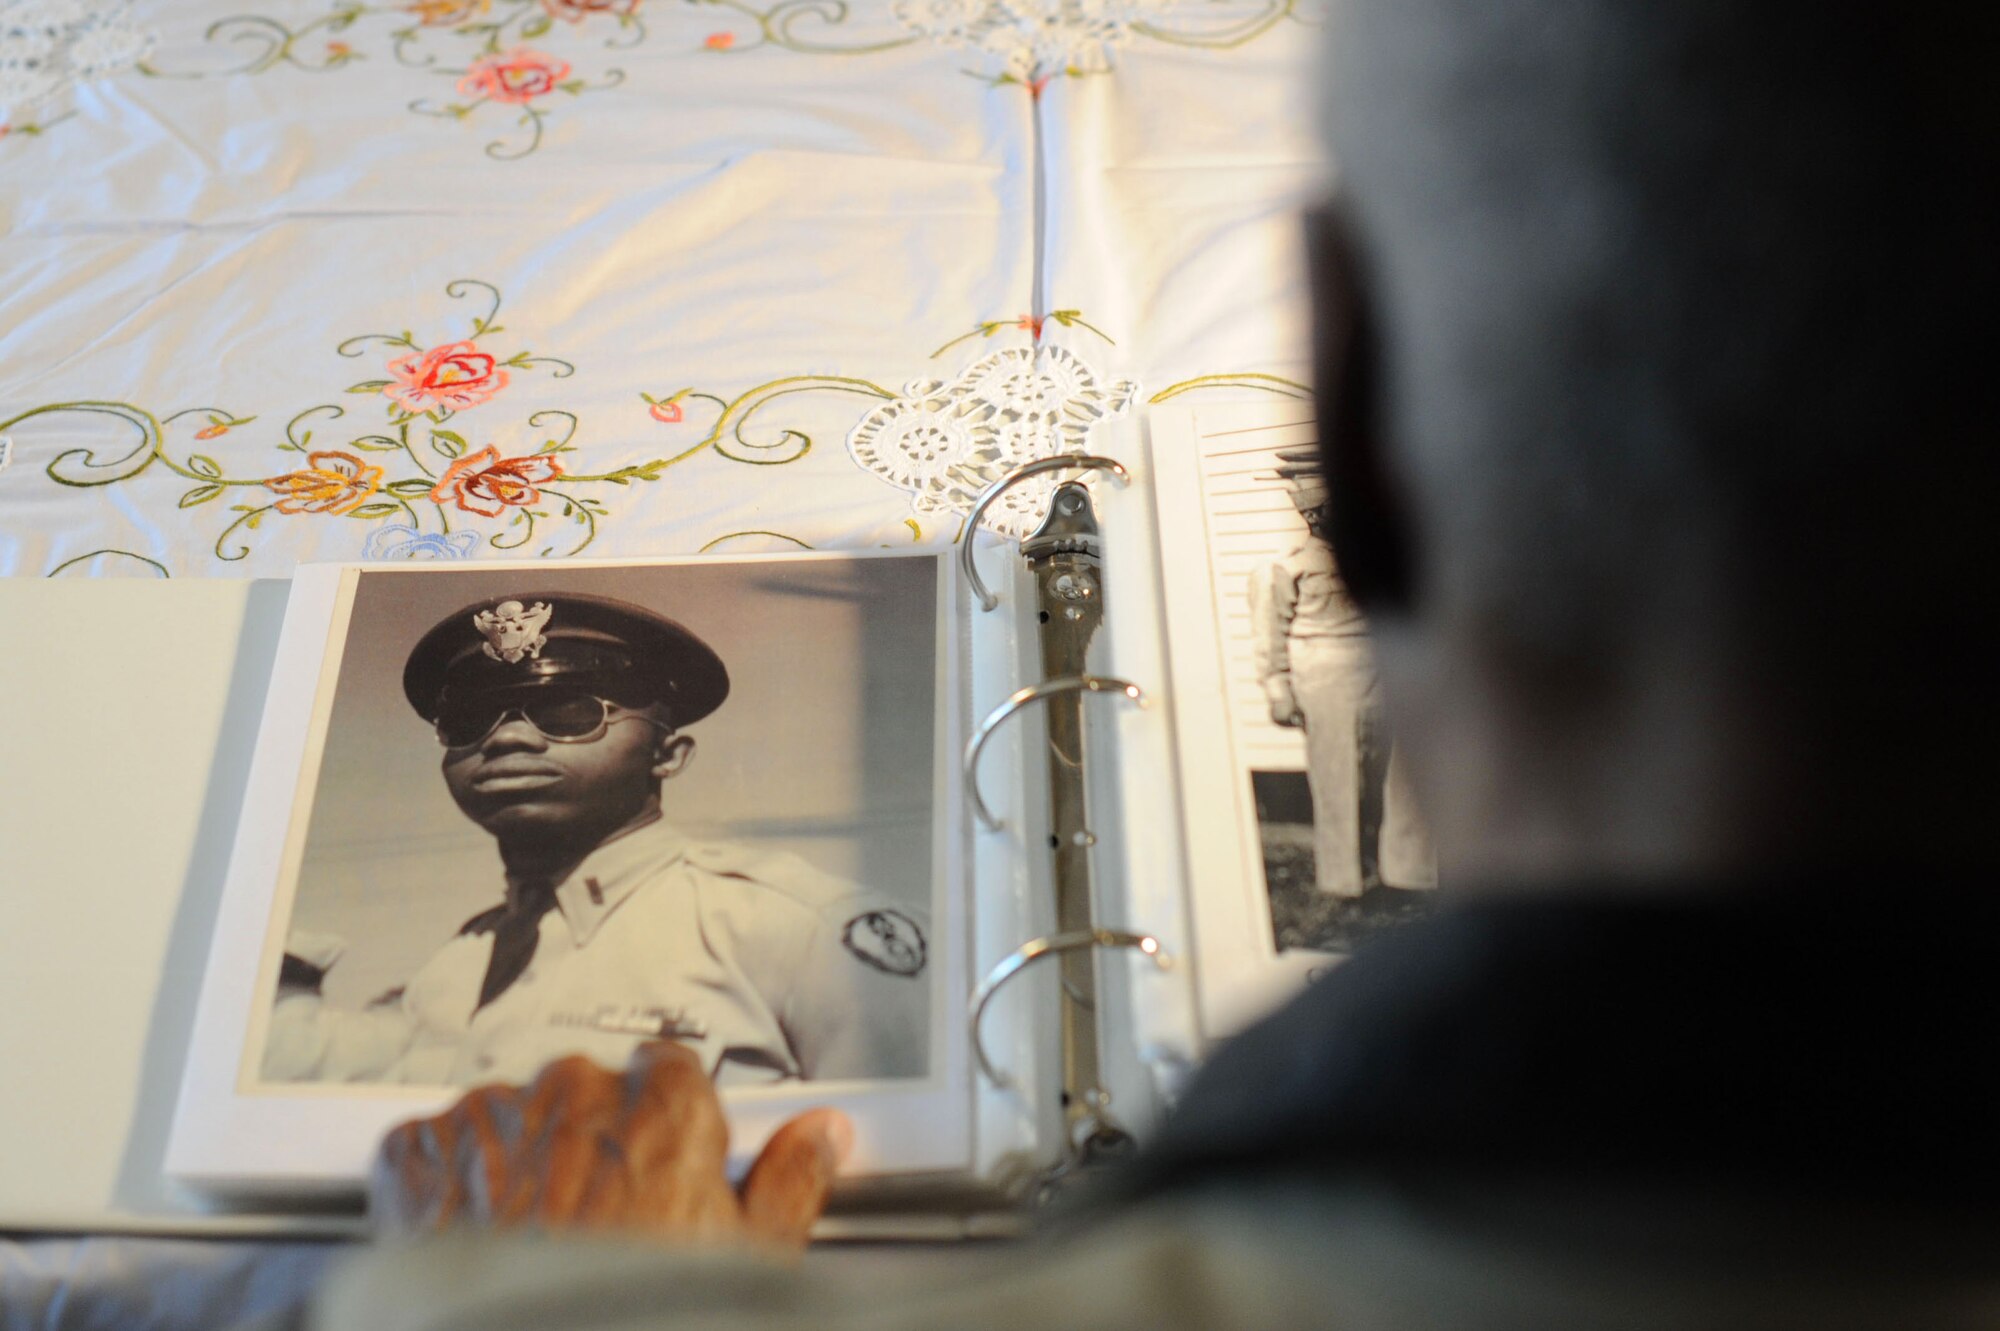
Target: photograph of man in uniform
x=560, y=720
x=1313, y=664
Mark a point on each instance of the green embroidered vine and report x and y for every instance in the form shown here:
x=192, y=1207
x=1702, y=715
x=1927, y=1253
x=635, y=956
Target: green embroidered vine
x=29, y=129
x=1032, y=323
x=733, y=535
x=273, y=43
x=1226, y=34
x=437, y=491
x=67, y=564
x=789, y=446
x=775, y=28
x=514, y=79
x=497, y=67
x=1034, y=42
x=1267, y=383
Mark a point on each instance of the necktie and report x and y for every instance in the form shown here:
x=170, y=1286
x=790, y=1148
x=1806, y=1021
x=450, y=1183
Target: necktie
x=514, y=938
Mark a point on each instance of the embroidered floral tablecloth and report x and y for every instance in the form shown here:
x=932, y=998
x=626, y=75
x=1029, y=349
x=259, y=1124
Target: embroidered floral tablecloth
x=294, y=280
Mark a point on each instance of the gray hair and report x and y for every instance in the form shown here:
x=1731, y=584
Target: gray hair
x=1672, y=302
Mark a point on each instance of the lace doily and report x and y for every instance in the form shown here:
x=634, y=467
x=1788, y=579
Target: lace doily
x=1031, y=37
x=947, y=441
x=47, y=46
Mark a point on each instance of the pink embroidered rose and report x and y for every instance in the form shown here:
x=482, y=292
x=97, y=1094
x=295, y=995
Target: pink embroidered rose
x=518, y=77
x=487, y=484
x=576, y=11
x=330, y=482
x=454, y=376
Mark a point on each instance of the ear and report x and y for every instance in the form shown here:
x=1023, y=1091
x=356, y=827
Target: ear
x=674, y=753
x=1366, y=522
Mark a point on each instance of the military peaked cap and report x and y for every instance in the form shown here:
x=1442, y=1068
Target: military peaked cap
x=1304, y=476
x=535, y=640
x=1300, y=462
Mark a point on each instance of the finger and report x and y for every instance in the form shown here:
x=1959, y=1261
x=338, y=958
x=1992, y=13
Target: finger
x=405, y=1183
x=660, y=1067
x=787, y=1187
x=569, y=1108
x=488, y=1119
x=676, y=1142
x=440, y=1134
x=672, y=1107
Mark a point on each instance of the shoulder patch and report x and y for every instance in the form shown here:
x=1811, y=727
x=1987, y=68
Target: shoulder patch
x=888, y=940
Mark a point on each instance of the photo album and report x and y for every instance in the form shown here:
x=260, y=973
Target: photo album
x=984, y=846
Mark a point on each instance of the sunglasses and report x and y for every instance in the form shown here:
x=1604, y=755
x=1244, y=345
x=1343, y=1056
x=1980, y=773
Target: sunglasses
x=561, y=717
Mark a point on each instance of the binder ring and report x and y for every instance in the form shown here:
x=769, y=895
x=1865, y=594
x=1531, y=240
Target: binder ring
x=1059, y=462
x=1020, y=698
x=1034, y=950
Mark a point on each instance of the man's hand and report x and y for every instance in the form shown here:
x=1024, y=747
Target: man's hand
x=1285, y=710
x=589, y=1149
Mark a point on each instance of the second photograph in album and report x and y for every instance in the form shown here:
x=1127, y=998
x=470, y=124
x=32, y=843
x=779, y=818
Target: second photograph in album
x=569, y=810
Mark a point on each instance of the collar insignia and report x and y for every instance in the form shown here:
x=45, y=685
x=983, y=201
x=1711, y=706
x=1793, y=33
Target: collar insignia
x=513, y=631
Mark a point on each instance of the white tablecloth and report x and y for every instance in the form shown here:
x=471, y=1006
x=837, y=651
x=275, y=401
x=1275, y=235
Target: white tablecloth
x=470, y=278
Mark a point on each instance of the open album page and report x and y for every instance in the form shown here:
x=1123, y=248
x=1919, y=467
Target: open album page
x=505, y=814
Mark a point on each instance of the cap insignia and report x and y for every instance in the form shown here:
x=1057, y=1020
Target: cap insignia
x=513, y=631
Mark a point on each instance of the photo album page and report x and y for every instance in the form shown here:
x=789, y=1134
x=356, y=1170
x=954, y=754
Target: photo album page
x=504, y=814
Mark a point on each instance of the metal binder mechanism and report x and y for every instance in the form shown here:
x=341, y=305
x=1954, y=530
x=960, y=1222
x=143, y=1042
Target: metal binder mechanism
x=1091, y=1129
x=1065, y=556
x=1019, y=699
x=1060, y=462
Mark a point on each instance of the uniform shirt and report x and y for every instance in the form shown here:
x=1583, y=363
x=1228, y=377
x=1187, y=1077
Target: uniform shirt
x=1300, y=598
x=767, y=967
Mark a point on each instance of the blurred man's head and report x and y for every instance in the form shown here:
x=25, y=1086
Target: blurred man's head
x=1658, y=450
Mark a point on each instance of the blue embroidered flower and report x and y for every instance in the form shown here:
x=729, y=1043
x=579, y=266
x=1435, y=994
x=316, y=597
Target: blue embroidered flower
x=395, y=541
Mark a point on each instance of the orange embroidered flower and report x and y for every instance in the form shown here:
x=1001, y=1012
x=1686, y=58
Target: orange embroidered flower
x=720, y=41
x=1031, y=323
x=444, y=13
x=576, y=11
x=486, y=483
x=454, y=376
x=215, y=431
x=516, y=78
x=667, y=413
x=331, y=482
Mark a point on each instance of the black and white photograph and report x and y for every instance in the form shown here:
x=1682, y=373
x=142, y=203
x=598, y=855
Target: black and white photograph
x=1305, y=914
x=1311, y=841
x=1349, y=858
x=567, y=811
